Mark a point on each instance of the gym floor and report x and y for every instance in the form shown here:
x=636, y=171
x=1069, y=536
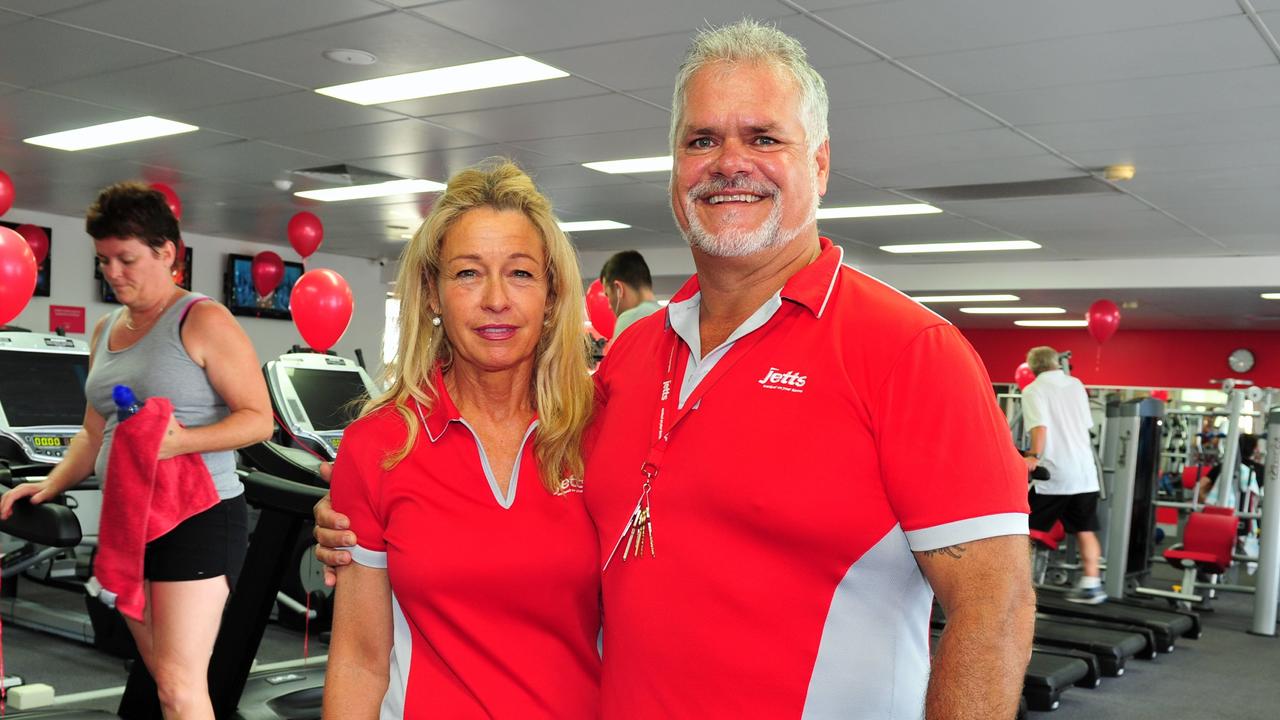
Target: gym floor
x=1227, y=674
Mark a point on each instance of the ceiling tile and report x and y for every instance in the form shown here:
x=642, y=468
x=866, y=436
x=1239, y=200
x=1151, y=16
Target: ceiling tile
x=397, y=137
x=565, y=23
x=557, y=119
x=614, y=65
x=441, y=164
x=25, y=114
x=284, y=115
x=904, y=29
x=1217, y=44
x=193, y=27
x=35, y=53
x=1160, y=130
x=1225, y=91
x=402, y=43
x=245, y=161
x=169, y=86
x=925, y=117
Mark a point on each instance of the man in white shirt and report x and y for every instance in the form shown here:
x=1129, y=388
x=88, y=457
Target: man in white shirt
x=629, y=287
x=1055, y=411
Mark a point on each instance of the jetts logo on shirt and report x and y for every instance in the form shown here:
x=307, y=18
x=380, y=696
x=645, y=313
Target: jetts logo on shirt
x=569, y=485
x=790, y=381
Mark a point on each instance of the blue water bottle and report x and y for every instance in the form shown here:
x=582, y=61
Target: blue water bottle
x=126, y=403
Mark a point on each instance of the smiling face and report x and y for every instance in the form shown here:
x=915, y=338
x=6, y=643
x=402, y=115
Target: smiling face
x=137, y=274
x=492, y=290
x=744, y=178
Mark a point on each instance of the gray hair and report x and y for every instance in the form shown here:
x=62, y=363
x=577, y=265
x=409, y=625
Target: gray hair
x=749, y=41
x=1042, y=359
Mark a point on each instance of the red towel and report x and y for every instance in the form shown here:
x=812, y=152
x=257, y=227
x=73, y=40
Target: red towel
x=145, y=498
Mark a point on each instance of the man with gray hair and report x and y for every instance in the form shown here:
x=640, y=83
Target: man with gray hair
x=1055, y=411
x=772, y=527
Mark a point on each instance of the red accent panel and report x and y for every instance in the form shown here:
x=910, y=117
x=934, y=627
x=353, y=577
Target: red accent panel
x=1145, y=358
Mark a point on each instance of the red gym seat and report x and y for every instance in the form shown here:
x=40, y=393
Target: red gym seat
x=1207, y=543
x=1192, y=473
x=1052, y=539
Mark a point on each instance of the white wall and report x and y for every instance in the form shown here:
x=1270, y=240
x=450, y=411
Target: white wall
x=73, y=284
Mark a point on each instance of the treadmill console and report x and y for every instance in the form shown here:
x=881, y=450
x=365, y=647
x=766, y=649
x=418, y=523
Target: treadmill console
x=41, y=394
x=316, y=396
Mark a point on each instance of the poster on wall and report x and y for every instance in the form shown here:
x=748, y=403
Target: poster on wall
x=44, y=273
x=68, y=318
x=182, y=278
x=241, y=297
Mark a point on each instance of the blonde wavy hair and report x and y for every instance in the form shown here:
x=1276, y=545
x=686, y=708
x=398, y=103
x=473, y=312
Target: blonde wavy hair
x=562, y=390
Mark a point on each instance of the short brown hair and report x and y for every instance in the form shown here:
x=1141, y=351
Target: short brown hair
x=135, y=210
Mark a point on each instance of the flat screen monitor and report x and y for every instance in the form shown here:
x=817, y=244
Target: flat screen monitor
x=43, y=388
x=326, y=396
x=242, y=297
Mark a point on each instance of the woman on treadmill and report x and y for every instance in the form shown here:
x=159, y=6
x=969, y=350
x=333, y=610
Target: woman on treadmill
x=167, y=342
x=474, y=590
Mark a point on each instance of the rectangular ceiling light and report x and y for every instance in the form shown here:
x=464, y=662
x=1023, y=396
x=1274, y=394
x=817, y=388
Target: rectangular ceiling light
x=444, y=81
x=408, y=186
x=632, y=166
x=987, y=245
x=112, y=133
x=588, y=225
x=866, y=211
x=1051, y=323
x=1013, y=310
x=1271, y=296
x=965, y=298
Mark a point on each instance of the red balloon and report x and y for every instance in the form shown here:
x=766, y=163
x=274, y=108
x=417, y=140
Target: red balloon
x=6, y=192
x=170, y=198
x=1104, y=319
x=598, y=310
x=321, y=305
x=305, y=233
x=17, y=274
x=1162, y=395
x=268, y=270
x=1023, y=376
x=37, y=239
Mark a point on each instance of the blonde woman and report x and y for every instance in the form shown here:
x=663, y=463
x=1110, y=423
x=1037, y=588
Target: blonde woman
x=474, y=589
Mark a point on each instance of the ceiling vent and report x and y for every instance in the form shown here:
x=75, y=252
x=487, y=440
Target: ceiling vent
x=1004, y=191
x=344, y=174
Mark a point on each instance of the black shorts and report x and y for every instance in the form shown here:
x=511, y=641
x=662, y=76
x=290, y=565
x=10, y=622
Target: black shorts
x=1078, y=513
x=205, y=545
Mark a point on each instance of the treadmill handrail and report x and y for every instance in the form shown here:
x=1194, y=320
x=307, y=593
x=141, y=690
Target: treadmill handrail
x=48, y=524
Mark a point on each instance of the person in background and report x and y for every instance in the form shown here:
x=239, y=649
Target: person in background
x=629, y=287
x=1055, y=411
x=474, y=591
x=167, y=342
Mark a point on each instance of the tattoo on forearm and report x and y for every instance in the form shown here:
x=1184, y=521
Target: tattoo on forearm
x=954, y=552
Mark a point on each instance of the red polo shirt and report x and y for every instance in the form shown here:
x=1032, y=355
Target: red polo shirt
x=495, y=599
x=849, y=430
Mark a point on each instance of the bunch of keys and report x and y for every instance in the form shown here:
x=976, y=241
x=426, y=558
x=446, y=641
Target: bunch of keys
x=641, y=528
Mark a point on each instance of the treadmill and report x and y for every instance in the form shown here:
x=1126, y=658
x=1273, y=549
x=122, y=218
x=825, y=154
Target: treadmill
x=42, y=405
x=314, y=397
x=295, y=694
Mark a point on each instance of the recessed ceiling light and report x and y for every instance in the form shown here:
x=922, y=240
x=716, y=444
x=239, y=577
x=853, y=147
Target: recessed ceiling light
x=965, y=298
x=632, y=166
x=1271, y=296
x=1013, y=310
x=407, y=186
x=406, y=236
x=1051, y=323
x=112, y=133
x=986, y=245
x=444, y=81
x=588, y=225
x=866, y=211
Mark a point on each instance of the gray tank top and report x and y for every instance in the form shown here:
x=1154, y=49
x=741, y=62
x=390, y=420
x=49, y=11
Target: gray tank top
x=158, y=366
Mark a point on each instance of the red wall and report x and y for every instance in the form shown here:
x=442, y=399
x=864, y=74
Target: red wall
x=1145, y=358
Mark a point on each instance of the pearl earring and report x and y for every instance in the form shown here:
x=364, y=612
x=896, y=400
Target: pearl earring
x=436, y=321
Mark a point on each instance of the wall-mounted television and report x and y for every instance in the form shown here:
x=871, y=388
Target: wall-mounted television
x=181, y=278
x=241, y=297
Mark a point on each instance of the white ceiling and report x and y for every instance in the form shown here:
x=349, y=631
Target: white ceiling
x=925, y=93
